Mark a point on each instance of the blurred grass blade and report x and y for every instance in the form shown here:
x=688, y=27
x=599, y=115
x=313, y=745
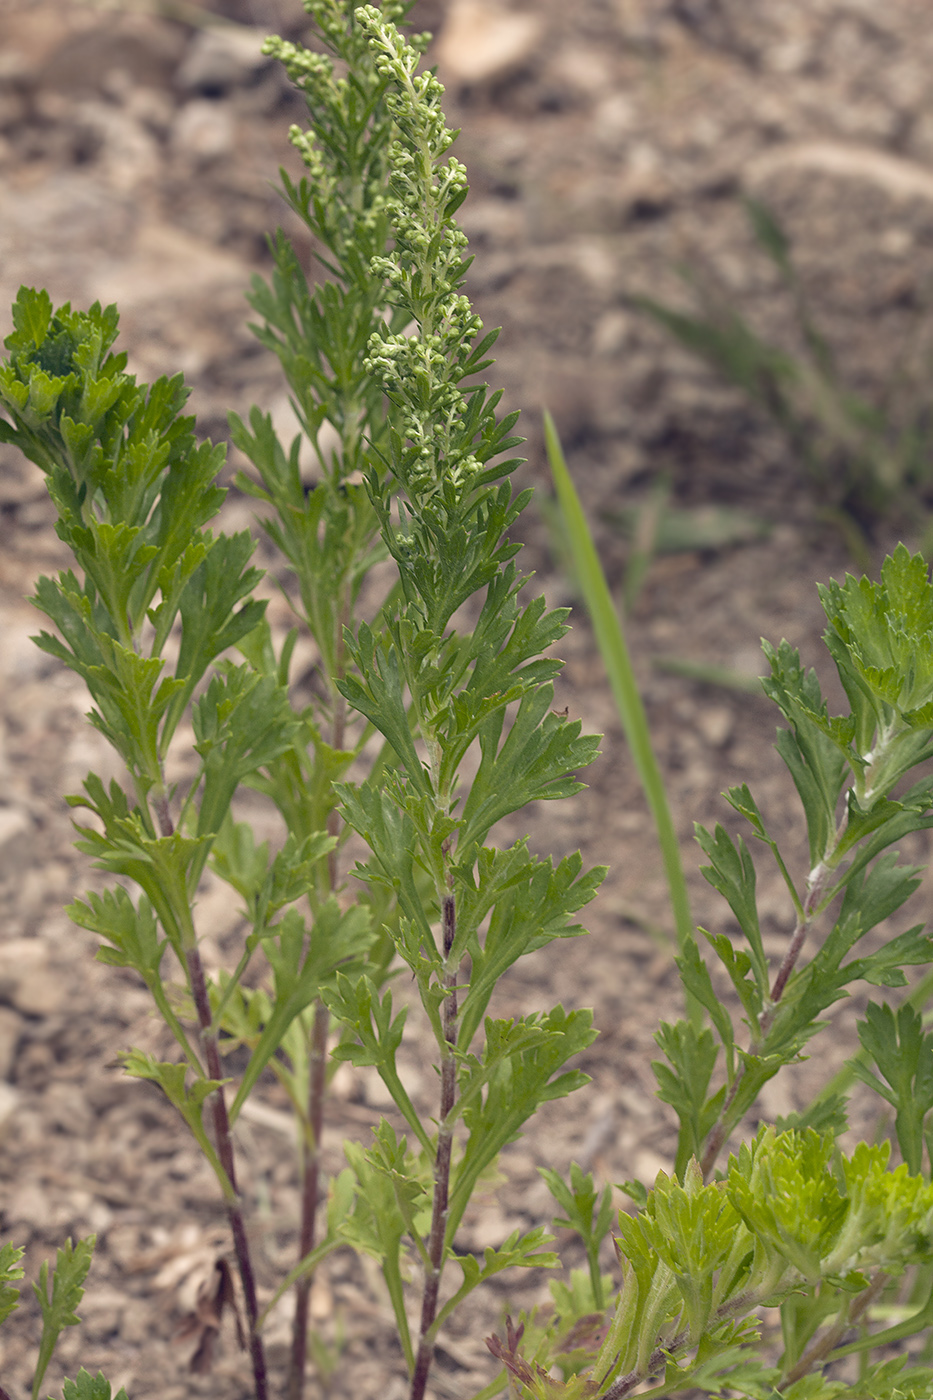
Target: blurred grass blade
x=611, y=641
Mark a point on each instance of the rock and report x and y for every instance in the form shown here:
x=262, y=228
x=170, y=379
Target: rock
x=615, y=118
x=97, y=218
x=20, y=658
x=28, y=982
x=481, y=43
x=586, y=71
x=642, y=185
x=9, y=1098
x=29, y=34
x=716, y=724
x=128, y=155
x=749, y=661
x=21, y=481
x=11, y=1028
x=140, y=48
x=165, y=262
x=900, y=179
x=221, y=58
x=612, y=332
x=16, y=837
x=203, y=131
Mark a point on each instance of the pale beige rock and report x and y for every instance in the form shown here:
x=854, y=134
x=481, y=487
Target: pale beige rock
x=9, y=1098
x=129, y=154
x=716, y=724
x=203, y=130
x=16, y=833
x=271, y=1119
x=901, y=179
x=28, y=981
x=222, y=57
x=29, y=37
x=647, y=1163
x=166, y=262
x=20, y=658
x=481, y=42
x=11, y=1028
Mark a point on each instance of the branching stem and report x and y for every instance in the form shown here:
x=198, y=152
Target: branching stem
x=163, y=814
x=317, y=1086
x=722, y=1127
x=441, y=1164
x=831, y=1338
x=224, y=1141
x=223, y=1138
x=310, y=1195
x=815, y=889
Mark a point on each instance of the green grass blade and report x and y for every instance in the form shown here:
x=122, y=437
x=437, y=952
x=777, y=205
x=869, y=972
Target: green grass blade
x=611, y=641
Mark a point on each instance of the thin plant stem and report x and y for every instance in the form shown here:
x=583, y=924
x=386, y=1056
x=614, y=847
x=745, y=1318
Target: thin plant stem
x=163, y=817
x=844, y=1078
x=442, y=1159
x=721, y=1128
x=821, y=1349
x=224, y=1141
x=310, y=1195
x=611, y=641
x=317, y=1088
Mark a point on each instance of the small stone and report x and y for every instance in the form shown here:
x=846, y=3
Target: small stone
x=898, y=178
x=896, y=242
x=16, y=836
x=126, y=152
x=750, y=661
x=221, y=58
x=11, y=1028
x=715, y=724
x=587, y=71
x=481, y=43
x=28, y=982
x=614, y=119
x=647, y=1164
x=9, y=1098
x=612, y=331
x=203, y=130
x=142, y=48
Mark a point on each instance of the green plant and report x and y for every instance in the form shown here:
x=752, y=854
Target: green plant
x=58, y=1292
x=865, y=459
x=388, y=353
x=791, y=1223
x=611, y=641
x=432, y=721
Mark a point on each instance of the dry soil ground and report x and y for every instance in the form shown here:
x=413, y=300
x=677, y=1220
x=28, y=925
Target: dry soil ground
x=607, y=140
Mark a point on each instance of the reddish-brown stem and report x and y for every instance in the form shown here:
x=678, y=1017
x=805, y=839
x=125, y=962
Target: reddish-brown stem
x=224, y=1143
x=804, y=919
x=831, y=1339
x=310, y=1152
x=720, y=1131
x=788, y=962
x=163, y=814
x=310, y=1195
x=432, y=1283
x=718, y=1134
x=624, y=1385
